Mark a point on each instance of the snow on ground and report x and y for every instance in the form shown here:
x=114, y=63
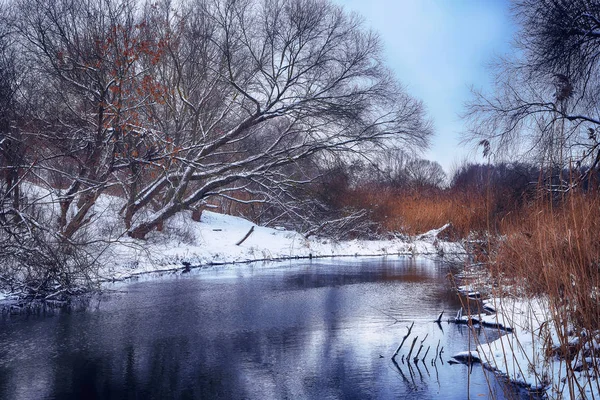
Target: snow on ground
x=185, y=242
x=214, y=240
x=521, y=355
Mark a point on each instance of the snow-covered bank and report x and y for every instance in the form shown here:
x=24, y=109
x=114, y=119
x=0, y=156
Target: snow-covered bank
x=214, y=239
x=184, y=242
x=527, y=355
x=539, y=348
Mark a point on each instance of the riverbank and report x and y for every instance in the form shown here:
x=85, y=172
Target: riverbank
x=225, y=239
x=528, y=353
x=184, y=243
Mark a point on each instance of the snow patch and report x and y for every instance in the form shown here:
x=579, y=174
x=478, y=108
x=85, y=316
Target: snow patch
x=213, y=241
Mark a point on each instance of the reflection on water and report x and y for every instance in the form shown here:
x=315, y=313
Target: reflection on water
x=316, y=330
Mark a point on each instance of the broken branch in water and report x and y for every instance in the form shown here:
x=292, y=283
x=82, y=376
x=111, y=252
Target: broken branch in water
x=459, y=314
x=437, y=352
x=412, y=346
x=416, y=359
x=427, y=352
x=403, y=339
x=439, y=318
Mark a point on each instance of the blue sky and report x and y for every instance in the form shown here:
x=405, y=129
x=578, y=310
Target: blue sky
x=438, y=50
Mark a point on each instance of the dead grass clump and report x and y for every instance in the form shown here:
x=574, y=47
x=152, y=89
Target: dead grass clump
x=554, y=250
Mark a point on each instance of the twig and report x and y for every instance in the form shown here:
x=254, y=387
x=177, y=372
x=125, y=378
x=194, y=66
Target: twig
x=404, y=339
x=427, y=352
x=439, y=318
x=459, y=314
x=416, y=359
x=389, y=315
x=55, y=294
x=412, y=346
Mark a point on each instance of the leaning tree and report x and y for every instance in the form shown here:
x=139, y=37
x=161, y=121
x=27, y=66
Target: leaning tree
x=172, y=104
x=254, y=88
x=169, y=105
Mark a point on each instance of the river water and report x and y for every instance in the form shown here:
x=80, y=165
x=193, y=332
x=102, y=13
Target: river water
x=321, y=329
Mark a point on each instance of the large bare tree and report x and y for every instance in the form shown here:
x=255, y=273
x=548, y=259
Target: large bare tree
x=259, y=85
x=546, y=97
x=170, y=105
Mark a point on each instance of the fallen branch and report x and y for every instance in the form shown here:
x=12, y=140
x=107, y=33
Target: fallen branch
x=245, y=237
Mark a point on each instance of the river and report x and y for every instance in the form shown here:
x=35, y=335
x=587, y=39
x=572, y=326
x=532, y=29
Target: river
x=320, y=329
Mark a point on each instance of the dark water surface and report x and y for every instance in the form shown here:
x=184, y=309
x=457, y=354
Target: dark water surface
x=295, y=330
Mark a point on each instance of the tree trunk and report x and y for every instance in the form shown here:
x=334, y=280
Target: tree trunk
x=133, y=193
x=84, y=205
x=140, y=231
x=196, y=214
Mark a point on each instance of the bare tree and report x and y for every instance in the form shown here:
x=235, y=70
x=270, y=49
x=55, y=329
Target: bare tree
x=73, y=127
x=170, y=105
x=545, y=102
x=425, y=174
x=263, y=85
x=86, y=58
x=388, y=166
x=11, y=148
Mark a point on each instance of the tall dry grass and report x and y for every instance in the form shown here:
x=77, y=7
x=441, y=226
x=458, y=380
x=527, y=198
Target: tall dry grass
x=416, y=211
x=552, y=250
